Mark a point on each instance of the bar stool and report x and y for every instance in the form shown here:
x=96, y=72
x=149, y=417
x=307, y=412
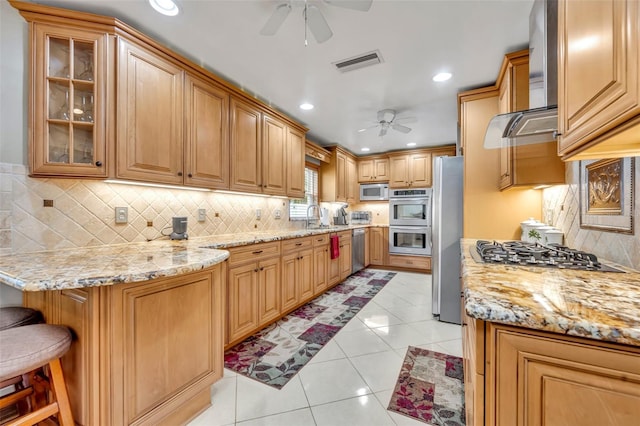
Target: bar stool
x=17, y=316
x=27, y=348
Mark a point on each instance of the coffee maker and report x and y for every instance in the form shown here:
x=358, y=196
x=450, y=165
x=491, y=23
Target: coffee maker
x=179, y=228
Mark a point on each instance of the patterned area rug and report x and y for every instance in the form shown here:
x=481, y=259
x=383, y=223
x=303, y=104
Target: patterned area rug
x=275, y=354
x=430, y=388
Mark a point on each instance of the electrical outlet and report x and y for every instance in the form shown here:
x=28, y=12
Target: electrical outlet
x=258, y=214
x=277, y=214
x=122, y=214
x=202, y=215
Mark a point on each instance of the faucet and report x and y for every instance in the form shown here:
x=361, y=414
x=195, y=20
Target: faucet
x=311, y=206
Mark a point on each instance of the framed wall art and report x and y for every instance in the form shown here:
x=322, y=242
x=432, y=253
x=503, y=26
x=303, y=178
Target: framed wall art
x=606, y=195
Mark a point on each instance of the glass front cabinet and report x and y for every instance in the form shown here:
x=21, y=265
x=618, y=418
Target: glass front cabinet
x=68, y=105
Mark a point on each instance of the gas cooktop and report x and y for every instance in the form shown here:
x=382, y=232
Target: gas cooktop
x=536, y=254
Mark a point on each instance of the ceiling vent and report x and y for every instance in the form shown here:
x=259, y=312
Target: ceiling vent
x=360, y=61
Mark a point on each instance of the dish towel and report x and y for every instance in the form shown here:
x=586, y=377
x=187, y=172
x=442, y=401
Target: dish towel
x=335, y=247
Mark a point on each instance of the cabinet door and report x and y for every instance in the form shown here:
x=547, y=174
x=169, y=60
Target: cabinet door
x=246, y=141
x=150, y=116
x=274, y=156
x=341, y=177
x=68, y=119
x=242, y=296
x=288, y=288
x=506, y=153
x=367, y=247
x=345, y=257
x=320, y=269
x=365, y=171
x=295, y=163
x=305, y=275
x=420, y=170
x=381, y=170
x=352, y=181
x=268, y=290
x=376, y=240
x=207, y=134
x=598, y=68
x=399, y=171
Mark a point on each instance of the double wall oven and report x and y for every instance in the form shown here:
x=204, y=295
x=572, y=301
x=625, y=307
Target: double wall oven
x=410, y=221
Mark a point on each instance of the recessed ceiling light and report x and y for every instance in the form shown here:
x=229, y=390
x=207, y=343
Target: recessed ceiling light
x=443, y=76
x=166, y=7
x=365, y=149
x=411, y=144
x=306, y=106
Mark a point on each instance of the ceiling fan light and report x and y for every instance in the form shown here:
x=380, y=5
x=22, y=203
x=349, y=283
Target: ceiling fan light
x=443, y=76
x=165, y=7
x=306, y=106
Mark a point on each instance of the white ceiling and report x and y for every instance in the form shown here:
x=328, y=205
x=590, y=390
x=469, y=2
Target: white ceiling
x=416, y=39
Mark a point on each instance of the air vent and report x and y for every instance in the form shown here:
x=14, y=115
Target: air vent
x=360, y=61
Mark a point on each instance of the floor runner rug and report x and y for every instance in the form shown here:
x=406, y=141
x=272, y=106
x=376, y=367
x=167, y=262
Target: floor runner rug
x=275, y=354
x=430, y=388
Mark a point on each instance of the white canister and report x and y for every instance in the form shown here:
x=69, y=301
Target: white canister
x=537, y=236
x=553, y=236
x=527, y=227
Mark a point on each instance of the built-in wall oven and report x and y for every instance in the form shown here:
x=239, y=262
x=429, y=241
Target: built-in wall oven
x=410, y=221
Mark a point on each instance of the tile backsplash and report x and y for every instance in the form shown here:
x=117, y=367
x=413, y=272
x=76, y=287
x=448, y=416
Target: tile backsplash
x=83, y=212
x=561, y=204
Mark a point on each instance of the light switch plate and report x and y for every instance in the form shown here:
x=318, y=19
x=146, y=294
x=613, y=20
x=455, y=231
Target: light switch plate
x=202, y=215
x=258, y=214
x=122, y=214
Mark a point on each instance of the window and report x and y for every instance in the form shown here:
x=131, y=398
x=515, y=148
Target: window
x=298, y=208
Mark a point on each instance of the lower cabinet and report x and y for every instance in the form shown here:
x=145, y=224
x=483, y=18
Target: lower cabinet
x=378, y=246
x=321, y=260
x=297, y=270
x=536, y=378
x=344, y=260
x=408, y=261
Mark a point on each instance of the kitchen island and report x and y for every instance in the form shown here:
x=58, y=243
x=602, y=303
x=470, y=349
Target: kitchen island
x=550, y=346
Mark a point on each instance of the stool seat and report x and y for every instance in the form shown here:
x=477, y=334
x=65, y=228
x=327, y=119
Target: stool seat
x=26, y=348
x=15, y=316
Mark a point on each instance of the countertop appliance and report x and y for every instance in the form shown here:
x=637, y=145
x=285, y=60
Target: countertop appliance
x=447, y=231
x=374, y=192
x=522, y=253
x=410, y=207
x=324, y=217
x=341, y=217
x=179, y=231
x=360, y=218
x=357, y=250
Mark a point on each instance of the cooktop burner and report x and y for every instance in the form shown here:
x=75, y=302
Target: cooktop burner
x=536, y=254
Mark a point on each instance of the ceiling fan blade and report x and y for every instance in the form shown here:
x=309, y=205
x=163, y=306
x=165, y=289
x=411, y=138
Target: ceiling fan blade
x=317, y=24
x=400, y=128
x=276, y=19
x=383, y=131
x=361, y=5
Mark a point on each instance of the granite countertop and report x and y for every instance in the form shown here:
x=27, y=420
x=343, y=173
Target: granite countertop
x=131, y=262
x=596, y=305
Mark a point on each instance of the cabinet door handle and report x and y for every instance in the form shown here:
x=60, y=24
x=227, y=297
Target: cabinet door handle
x=99, y=163
x=556, y=134
x=298, y=244
x=257, y=252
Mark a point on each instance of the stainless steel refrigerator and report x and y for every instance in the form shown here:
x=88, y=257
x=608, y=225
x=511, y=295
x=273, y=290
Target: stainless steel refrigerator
x=446, y=234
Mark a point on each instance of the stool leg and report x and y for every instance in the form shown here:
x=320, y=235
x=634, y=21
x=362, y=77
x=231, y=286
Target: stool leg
x=65, y=416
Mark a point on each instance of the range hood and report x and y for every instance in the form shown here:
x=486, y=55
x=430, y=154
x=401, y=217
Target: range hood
x=539, y=123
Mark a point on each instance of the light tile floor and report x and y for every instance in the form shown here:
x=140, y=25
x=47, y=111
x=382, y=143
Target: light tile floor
x=349, y=382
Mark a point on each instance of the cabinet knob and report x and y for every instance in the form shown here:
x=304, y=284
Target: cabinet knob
x=190, y=175
x=179, y=173
x=99, y=163
x=262, y=268
x=255, y=270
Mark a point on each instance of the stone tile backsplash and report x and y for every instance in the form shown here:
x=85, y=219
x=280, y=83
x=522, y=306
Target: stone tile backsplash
x=562, y=202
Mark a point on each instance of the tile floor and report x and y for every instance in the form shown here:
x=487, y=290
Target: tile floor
x=349, y=382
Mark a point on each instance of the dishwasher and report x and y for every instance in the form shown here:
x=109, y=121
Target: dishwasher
x=357, y=250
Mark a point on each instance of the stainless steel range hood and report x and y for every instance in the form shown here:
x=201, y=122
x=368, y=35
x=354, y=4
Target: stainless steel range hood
x=539, y=123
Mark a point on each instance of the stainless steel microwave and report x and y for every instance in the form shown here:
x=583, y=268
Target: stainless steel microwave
x=374, y=191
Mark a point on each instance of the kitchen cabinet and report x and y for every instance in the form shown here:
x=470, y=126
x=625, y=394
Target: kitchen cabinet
x=367, y=248
x=523, y=165
x=117, y=332
x=67, y=118
x=274, y=156
x=246, y=147
x=320, y=263
x=150, y=115
x=345, y=260
x=317, y=152
x=206, y=149
x=334, y=269
x=297, y=270
x=412, y=262
x=379, y=246
x=599, y=79
x=410, y=169
x=473, y=351
x=339, y=178
x=296, y=147
x=373, y=169
x=253, y=289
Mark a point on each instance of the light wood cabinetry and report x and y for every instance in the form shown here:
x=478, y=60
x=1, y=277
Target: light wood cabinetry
x=67, y=118
x=296, y=148
x=253, y=289
x=150, y=115
x=353, y=193
x=367, y=247
x=274, y=156
x=410, y=169
x=473, y=350
x=378, y=246
x=523, y=165
x=411, y=262
x=246, y=147
x=373, y=169
x=297, y=269
x=320, y=263
x=339, y=178
x=116, y=373
x=599, y=79
x=344, y=259
x=317, y=152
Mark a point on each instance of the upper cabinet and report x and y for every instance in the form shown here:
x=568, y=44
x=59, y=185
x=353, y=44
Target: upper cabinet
x=599, y=78
x=67, y=115
x=523, y=165
x=410, y=169
x=373, y=169
x=338, y=178
x=296, y=147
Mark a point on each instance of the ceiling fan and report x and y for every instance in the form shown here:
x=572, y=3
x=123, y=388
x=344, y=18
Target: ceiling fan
x=313, y=17
x=387, y=119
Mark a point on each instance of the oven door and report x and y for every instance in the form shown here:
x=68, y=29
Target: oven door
x=414, y=240
x=410, y=212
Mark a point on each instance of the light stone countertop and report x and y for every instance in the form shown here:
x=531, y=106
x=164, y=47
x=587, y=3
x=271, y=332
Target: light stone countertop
x=131, y=262
x=596, y=305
